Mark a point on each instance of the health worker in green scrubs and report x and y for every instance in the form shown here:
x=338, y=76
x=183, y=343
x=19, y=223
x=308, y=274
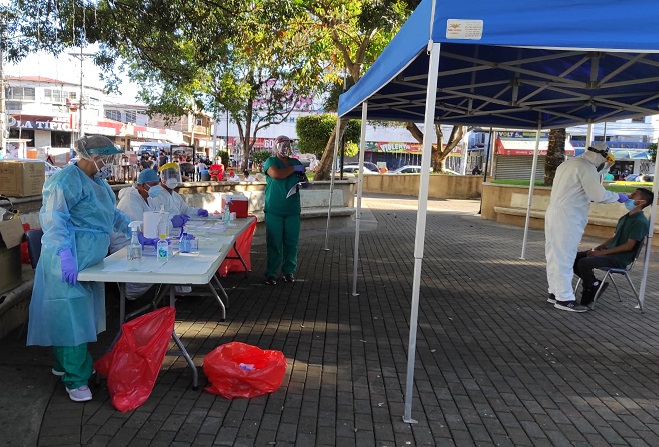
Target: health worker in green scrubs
x=282, y=214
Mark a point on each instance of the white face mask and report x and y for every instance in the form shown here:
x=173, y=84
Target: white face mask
x=104, y=172
x=171, y=183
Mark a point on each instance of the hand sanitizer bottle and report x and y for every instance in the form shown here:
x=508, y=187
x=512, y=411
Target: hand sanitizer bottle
x=134, y=253
x=162, y=247
x=227, y=212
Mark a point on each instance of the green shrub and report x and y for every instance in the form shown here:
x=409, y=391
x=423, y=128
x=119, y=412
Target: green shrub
x=314, y=131
x=259, y=157
x=224, y=156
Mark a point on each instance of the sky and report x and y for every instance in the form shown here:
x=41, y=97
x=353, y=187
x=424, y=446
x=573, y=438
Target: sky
x=67, y=68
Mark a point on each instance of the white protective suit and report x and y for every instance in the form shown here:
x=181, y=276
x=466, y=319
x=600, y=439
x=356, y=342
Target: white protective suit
x=173, y=203
x=133, y=205
x=576, y=184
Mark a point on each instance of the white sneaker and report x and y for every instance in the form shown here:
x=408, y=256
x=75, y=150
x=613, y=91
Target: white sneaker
x=57, y=373
x=81, y=394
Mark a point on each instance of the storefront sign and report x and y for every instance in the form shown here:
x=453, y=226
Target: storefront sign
x=40, y=123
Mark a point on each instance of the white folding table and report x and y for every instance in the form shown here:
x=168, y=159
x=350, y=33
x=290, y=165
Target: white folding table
x=181, y=269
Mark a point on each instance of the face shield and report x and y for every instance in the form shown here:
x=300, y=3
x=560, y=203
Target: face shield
x=606, y=158
x=170, y=175
x=283, y=146
x=101, y=151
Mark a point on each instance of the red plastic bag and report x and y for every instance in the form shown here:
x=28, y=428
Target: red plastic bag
x=244, y=245
x=25, y=255
x=134, y=362
x=239, y=370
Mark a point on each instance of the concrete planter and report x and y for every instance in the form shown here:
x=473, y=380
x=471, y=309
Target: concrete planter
x=440, y=186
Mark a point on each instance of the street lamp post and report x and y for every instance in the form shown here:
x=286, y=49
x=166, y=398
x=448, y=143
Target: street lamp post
x=80, y=56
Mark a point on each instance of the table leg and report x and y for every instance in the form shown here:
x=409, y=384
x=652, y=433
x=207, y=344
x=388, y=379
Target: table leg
x=219, y=300
x=219, y=286
x=240, y=258
x=183, y=351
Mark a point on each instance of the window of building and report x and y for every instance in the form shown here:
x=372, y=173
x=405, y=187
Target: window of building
x=13, y=106
x=53, y=96
x=638, y=120
x=26, y=134
x=199, y=122
x=131, y=116
x=60, y=139
x=73, y=95
x=113, y=114
x=20, y=93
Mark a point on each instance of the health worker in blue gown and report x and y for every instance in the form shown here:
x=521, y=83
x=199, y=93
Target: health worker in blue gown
x=77, y=215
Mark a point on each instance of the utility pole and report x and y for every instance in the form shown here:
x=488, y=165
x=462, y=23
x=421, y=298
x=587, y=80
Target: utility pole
x=81, y=57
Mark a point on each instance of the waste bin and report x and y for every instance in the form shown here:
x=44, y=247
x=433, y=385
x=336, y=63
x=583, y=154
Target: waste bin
x=204, y=175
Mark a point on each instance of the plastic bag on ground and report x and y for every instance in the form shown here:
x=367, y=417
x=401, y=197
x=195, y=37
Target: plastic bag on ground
x=240, y=370
x=134, y=362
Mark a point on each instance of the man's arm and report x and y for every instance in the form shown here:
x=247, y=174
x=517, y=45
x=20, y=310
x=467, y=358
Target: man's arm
x=604, y=244
x=276, y=173
x=623, y=248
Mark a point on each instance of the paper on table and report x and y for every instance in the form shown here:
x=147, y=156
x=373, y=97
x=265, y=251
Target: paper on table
x=293, y=190
x=197, y=264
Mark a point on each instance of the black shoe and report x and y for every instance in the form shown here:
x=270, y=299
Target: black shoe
x=288, y=277
x=551, y=299
x=570, y=306
x=271, y=281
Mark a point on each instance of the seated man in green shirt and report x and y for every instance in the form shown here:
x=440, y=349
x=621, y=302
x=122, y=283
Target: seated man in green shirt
x=617, y=251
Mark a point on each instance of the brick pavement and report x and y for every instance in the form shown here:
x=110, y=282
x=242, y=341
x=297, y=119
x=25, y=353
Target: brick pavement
x=496, y=365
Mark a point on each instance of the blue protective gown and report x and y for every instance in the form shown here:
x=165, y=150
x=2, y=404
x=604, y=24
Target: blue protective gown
x=77, y=213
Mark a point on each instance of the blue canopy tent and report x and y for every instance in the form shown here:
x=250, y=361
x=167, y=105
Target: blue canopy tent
x=514, y=64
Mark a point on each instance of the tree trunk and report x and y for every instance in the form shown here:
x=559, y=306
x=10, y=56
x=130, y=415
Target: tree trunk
x=555, y=154
x=439, y=153
x=325, y=165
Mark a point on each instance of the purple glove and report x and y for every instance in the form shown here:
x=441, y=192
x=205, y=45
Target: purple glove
x=179, y=220
x=146, y=240
x=69, y=266
x=299, y=168
x=202, y=212
x=622, y=198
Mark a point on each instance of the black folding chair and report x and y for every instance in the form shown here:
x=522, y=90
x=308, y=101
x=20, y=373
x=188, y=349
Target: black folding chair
x=610, y=271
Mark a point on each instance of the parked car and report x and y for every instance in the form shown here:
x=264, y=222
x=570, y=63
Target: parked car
x=649, y=178
x=409, y=169
x=632, y=178
x=354, y=169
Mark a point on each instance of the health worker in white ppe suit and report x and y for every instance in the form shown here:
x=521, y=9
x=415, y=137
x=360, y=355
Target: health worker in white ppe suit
x=576, y=184
x=164, y=195
x=134, y=202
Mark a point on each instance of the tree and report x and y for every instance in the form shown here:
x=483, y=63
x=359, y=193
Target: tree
x=555, y=154
x=315, y=130
x=250, y=58
x=439, y=152
x=353, y=33
x=652, y=151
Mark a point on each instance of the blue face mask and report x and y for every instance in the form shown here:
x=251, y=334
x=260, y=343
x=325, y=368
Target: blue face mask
x=630, y=205
x=155, y=191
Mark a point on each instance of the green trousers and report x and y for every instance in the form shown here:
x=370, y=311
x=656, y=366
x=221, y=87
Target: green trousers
x=75, y=362
x=282, y=234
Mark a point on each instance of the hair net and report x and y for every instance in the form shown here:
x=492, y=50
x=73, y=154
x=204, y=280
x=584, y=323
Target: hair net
x=147, y=176
x=96, y=145
x=171, y=172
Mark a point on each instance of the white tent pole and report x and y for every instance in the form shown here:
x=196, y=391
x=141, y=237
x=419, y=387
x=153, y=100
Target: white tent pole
x=589, y=135
x=332, y=170
x=653, y=219
x=419, y=238
x=360, y=181
x=531, y=188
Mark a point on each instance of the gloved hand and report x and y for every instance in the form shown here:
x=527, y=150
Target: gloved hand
x=622, y=198
x=146, y=240
x=179, y=220
x=69, y=266
x=299, y=168
x=202, y=212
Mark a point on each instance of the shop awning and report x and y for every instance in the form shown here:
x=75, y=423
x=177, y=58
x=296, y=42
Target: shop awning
x=525, y=146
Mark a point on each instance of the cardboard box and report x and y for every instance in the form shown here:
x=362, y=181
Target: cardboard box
x=20, y=178
x=11, y=236
x=239, y=204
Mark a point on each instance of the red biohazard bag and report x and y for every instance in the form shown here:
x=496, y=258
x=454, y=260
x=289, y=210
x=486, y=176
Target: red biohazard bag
x=239, y=370
x=134, y=362
x=25, y=255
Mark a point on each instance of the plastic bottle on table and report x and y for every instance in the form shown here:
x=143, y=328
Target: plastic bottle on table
x=134, y=253
x=227, y=212
x=162, y=247
x=184, y=243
